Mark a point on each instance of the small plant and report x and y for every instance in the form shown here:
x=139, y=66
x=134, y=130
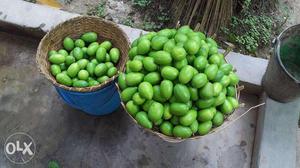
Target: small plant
x=98, y=10
x=163, y=17
x=150, y=26
x=250, y=29
x=53, y=164
x=141, y=3
x=128, y=22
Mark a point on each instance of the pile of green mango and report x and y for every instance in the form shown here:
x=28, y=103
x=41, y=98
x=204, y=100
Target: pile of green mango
x=176, y=82
x=84, y=62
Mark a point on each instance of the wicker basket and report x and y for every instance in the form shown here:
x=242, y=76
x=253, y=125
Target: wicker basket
x=171, y=139
x=74, y=28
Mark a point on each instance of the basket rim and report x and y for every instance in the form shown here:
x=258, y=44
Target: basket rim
x=90, y=88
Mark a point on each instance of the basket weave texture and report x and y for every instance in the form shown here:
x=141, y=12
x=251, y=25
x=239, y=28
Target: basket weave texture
x=74, y=28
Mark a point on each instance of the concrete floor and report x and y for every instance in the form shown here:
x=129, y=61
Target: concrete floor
x=29, y=103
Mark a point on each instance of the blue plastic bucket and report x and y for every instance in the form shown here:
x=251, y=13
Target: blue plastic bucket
x=100, y=102
x=95, y=100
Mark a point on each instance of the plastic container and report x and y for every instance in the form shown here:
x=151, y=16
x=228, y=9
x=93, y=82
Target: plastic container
x=96, y=100
x=100, y=102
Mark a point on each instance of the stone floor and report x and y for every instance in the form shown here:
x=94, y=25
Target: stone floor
x=29, y=103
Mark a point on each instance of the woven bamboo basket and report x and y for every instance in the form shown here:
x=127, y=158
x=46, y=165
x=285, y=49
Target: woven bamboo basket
x=227, y=121
x=74, y=28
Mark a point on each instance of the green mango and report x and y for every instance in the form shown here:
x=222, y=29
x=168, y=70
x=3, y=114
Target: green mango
x=234, y=79
x=132, y=52
x=178, y=53
x=167, y=114
x=73, y=70
x=169, y=73
x=226, y=68
x=128, y=93
x=166, y=128
x=194, y=126
x=90, y=67
x=112, y=71
x=231, y=91
x=166, y=88
x=215, y=59
x=207, y=91
x=134, y=78
x=101, y=54
x=114, y=54
x=217, y=88
x=220, y=99
x=182, y=93
x=156, y=111
x=165, y=32
x=157, y=42
x=204, y=127
x=186, y=74
x=55, y=69
x=102, y=79
x=143, y=47
x=143, y=120
x=157, y=94
x=225, y=81
x=92, y=49
x=79, y=43
x=188, y=118
x=194, y=93
x=100, y=70
x=145, y=90
x=226, y=107
x=153, y=78
x=199, y=80
x=162, y=58
x=211, y=71
x=68, y=43
x=203, y=51
x=135, y=65
x=131, y=108
x=169, y=45
x=218, y=119
x=180, y=64
x=89, y=37
x=206, y=114
x=122, y=81
x=205, y=103
x=57, y=59
x=64, y=79
x=106, y=44
x=137, y=99
x=200, y=63
x=80, y=83
x=178, y=109
x=147, y=105
x=182, y=131
x=149, y=64
x=192, y=47
x=234, y=102
x=82, y=63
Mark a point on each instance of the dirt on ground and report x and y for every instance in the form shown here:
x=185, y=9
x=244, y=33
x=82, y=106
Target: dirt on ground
x=119, y=11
